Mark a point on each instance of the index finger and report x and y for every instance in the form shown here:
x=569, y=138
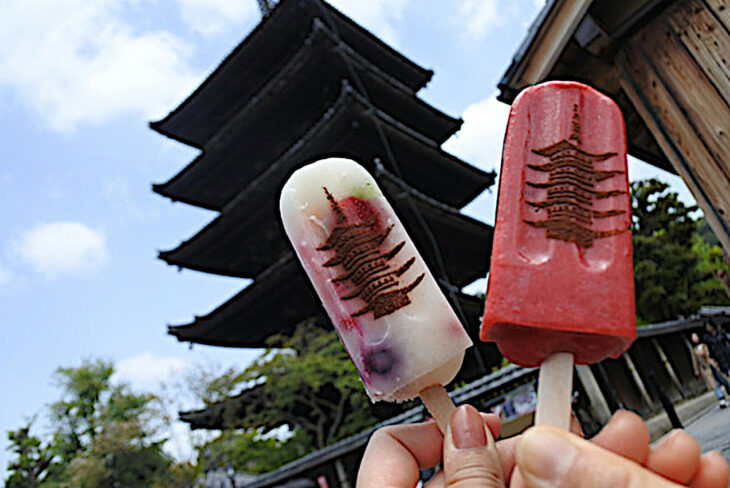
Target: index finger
x=395, y=454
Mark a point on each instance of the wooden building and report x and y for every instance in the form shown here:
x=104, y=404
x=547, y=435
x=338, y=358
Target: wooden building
x=667, y=65
x=306, y=84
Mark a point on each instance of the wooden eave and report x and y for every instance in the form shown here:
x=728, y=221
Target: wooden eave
x=250, y=65
x=278, y=299
x=575, y=40
x=347, y=128
x=282, y=111
x=247, y=238
x=498, y=381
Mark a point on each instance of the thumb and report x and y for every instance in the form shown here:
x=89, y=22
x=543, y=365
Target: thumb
x=547, y=457
x=470, y=455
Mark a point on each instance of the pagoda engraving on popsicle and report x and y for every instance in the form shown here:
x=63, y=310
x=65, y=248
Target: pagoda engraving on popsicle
x=357, y=248
x=571, y=189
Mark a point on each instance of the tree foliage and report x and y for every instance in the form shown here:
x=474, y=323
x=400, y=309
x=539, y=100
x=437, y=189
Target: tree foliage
x=31, y=459
x=674, y=268
x=102, y=437
x=306, y=383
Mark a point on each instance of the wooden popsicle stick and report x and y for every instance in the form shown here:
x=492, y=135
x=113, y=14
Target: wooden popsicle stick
x=440, y=405
x=555, y=391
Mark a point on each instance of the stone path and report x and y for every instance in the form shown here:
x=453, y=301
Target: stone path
x=712, y=430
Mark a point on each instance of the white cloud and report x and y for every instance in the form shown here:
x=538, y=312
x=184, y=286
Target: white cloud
x=639, y=170
x=480, y=139
x=479, y=142
x=122, y=198
x=477, y=17
x=79, y=61
x=375, y=15
x=213, y=17
x=60, y=248
x=5, y=276
x=147, y=371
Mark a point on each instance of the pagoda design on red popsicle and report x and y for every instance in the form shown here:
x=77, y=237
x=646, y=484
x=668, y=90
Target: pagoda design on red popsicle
x=357, y=248
x=571, y=190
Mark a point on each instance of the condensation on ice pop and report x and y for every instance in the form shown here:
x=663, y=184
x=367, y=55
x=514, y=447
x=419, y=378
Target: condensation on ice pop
x=390, y=314
x=561, y=275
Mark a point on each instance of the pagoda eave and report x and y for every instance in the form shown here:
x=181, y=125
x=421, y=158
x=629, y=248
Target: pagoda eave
x=279, y=299
x=247, y=68
x=284, y=114
x=348, y=129
x=245, y=239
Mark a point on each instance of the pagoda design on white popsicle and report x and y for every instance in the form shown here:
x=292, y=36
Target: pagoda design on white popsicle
x=357, y=248
x=571, y=190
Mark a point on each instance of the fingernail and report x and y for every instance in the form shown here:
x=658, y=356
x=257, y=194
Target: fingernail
x=545, y=455
x=467, y=428
x=667, y=440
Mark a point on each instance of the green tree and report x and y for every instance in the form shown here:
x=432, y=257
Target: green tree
x=306, y=382
x=248, y=451
x=102, y=437
x=32, y=460
x=674, y=268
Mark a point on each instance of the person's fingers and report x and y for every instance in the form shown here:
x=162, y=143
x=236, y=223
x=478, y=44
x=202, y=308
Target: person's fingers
x=676, y=457
x=575, y=426
x=626, y=435
x=551, y=458
x=713, y=472
x=436, y=481
x=507, y=449
x=395, y=455
x=493, y=422
x=470, y=455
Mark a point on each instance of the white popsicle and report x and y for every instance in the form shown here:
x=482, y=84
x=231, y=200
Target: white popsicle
x=390, y=314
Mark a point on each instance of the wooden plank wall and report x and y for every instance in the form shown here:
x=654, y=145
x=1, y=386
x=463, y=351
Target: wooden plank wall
x=676, y=71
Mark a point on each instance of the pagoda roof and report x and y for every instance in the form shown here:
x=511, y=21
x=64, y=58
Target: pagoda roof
x=350, y=127
x=250, y=65
x=275, y=303
x=291, y=102
x=245, y=239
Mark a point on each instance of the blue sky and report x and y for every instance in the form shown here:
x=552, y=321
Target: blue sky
x=79, y=81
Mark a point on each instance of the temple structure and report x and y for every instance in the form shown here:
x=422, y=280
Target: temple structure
x=665, y=64
x=306, y=84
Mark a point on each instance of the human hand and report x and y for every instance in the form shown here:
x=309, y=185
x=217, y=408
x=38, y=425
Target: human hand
x=395, y=455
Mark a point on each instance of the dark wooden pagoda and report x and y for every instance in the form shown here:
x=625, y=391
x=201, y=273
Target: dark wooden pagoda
x=309, y=83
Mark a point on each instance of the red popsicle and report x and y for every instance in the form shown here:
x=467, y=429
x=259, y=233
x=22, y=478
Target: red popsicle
x=561, y=277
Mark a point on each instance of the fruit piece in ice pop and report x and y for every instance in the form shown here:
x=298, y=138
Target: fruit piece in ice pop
x=561, y=275
x=389, y=313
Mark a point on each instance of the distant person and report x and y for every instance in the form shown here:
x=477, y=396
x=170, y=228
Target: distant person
x=722, y=273
x=706, y=366
x=719, y=345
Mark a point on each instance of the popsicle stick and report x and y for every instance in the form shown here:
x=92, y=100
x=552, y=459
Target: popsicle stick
x=555, y=391
x=439, y=404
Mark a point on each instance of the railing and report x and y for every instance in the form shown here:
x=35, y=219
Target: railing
x=656, y=370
